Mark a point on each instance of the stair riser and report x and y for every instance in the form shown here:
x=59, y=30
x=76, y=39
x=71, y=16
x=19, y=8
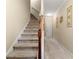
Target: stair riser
x=28, y=39
x=31, y=35
x=34, y=20
x=33, y=31
x=25, y=41
x=25, y=48
x=32, y=27
x=21, y=57
x=33, y=24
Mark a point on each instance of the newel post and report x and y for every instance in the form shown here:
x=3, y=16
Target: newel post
x=41, y=37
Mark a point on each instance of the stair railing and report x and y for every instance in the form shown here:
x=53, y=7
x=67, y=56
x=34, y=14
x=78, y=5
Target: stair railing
x=35, y=12
x=41, y=38
x=35, y=9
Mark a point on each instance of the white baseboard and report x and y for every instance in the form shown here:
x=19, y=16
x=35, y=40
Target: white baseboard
x=63, y=47
x=11, y=47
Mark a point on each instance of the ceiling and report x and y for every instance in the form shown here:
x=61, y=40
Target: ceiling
x=52, y=5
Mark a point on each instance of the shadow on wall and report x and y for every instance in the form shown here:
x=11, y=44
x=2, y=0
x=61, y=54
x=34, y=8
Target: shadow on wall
x=17, y=15
x=63, y=31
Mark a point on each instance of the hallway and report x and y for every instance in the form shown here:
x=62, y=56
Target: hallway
x=54, y=50
x=39, y=29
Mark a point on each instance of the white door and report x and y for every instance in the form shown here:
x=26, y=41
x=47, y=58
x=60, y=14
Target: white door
x=48, y=26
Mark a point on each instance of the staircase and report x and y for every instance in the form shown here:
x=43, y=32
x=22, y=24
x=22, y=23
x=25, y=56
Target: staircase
x=27, y=46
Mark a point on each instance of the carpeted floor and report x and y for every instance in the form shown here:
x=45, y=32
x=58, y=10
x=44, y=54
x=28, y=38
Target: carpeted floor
x=53, y=50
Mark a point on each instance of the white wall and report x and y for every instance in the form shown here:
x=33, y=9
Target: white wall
x=36, y=4
x=63, y=34
x=35, y=7
x=17, y=15
x=48, y=26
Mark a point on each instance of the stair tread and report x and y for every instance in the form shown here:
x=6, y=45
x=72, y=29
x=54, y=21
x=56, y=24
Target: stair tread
x=32, y=29
x=30, y=33
x=23, y=53
x=25, y=41
x=28, y=44
x=30, y=25
x=28, y=39
x=33, y=26
x=33, y=22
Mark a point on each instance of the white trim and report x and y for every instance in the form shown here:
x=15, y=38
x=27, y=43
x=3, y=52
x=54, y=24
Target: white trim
x=42, y=45
x=63, y=47
x=11, y=47
x=23, y=29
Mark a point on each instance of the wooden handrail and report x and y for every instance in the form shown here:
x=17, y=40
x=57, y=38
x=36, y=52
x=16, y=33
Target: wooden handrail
x=41, y=38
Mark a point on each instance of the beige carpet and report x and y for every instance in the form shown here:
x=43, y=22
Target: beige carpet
x=53, y=50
